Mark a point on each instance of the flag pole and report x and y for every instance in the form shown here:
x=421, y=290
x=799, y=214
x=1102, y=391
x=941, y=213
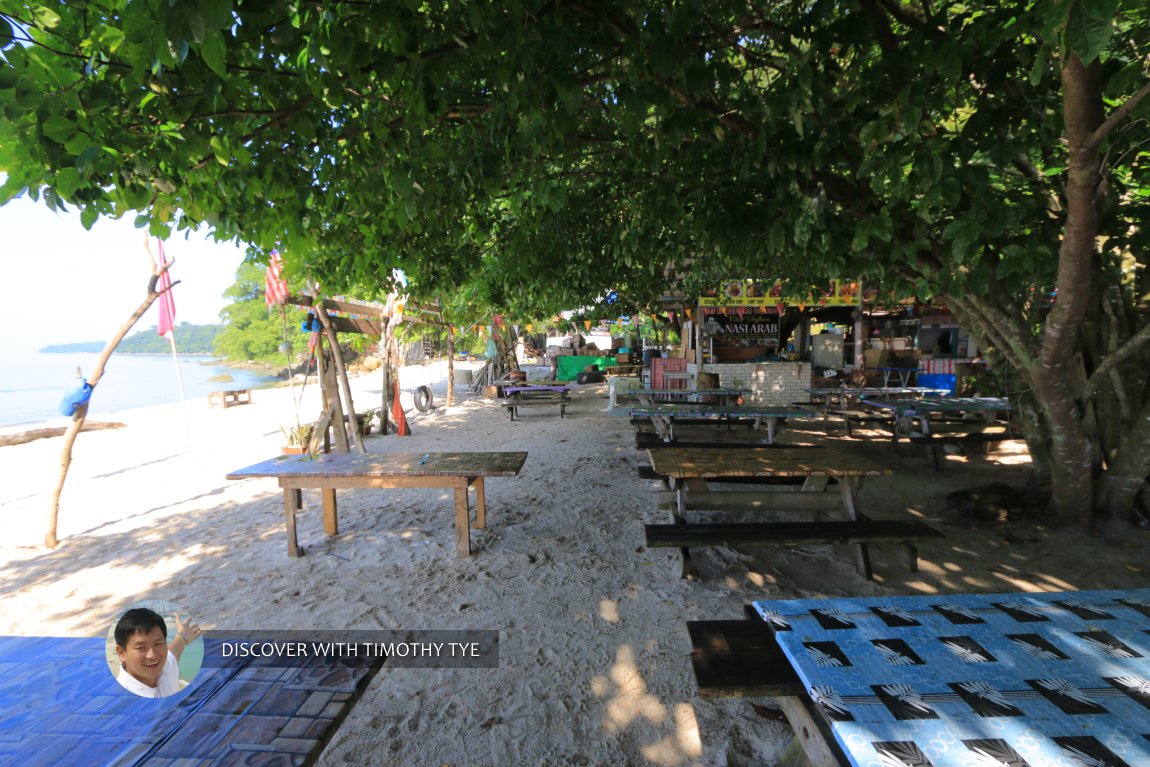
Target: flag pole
x=180, y=383
x=167, y=323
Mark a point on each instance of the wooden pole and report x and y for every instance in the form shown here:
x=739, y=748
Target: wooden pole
x=450, y=364
x=341, y=371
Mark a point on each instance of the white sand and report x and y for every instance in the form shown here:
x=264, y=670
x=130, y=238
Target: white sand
x=595, y=664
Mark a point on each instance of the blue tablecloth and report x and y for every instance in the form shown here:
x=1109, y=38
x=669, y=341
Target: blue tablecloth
x=61, y=706
x=954, y=681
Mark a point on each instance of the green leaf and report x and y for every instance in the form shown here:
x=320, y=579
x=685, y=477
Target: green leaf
x=1100, y=9
x=217, y=14
x=67, y=182
x=59, y=128
x=45, y=17
x=88, y=217
x=951, y=191
x=1039, y=68
x=87, y=156
x=188, y=22
x=215, y=53
x=1087, y=35
x=223, y=156
x=111, y=38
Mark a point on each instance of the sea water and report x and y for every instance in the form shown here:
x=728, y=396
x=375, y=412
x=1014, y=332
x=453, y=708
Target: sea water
x=32, y=384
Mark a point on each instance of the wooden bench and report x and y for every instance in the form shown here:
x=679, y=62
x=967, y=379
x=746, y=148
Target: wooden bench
x=229, y=397
x=762, y=534
x=741, y=659
x=514, y=405
x=935, y=441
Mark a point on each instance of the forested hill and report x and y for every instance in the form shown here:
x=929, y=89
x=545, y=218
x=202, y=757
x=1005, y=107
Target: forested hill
x=190, y=339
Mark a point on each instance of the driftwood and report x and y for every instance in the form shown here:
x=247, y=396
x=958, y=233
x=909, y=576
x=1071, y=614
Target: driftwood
x=56, y=431
x=50, y=539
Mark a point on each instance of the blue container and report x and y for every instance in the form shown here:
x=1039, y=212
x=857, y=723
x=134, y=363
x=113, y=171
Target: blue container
x=947, y=381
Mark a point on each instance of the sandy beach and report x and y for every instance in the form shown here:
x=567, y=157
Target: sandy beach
x=594, y=654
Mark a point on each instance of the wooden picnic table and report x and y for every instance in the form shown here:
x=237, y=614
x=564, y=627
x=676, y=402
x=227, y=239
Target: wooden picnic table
x=530, y=395
x=533, y=388
x=907, y=413
x=961, y=679
x=664, y=416
x=827, y=397
x=335, y=471
x=227, y=398
x=690, y=469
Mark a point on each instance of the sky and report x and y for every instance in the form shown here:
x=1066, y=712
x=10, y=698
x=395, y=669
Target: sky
x=64, y=284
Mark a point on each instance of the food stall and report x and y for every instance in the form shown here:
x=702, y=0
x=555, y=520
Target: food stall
x=749, y=335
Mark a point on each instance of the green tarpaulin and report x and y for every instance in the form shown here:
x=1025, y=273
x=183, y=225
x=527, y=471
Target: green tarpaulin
x=571, y=366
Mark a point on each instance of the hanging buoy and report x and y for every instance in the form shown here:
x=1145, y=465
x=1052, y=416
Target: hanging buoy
x=423, y=398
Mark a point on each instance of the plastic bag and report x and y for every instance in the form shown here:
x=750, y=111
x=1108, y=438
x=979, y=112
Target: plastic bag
x=76, y=396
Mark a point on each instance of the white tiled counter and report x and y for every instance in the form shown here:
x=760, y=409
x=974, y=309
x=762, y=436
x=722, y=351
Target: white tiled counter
x=771, y=383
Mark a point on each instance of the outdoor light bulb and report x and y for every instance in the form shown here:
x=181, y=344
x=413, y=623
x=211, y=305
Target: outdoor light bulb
x=285, y=347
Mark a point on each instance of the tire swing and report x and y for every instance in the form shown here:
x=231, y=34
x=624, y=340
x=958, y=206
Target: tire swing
x=423, y=399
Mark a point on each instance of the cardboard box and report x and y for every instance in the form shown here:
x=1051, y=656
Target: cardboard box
x=876, y=358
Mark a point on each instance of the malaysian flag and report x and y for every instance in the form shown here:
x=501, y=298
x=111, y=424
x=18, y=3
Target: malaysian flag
x=275, y=287
x=167, y=303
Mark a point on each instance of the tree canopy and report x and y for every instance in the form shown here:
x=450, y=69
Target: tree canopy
x=992, y=156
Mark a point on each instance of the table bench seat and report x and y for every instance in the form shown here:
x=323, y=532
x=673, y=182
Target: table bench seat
x=764, y=534
x=736, y=534
x=740, y=659
x=513, y=407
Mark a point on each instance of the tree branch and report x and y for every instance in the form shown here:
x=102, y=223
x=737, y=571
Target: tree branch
x=1112, y=360
x=1116, y=117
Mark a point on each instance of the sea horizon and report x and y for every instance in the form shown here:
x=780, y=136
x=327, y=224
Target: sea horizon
x=32, y=383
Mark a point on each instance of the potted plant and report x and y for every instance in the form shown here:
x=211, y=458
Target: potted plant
x=296, y=438
x=363, y=421
x=367, y=421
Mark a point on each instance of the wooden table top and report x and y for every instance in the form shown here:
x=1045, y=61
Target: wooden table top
x=489, y=464
x=683, y=463
x=536, y=387
x=703, y=410
x=941, y=404
x=871, y=391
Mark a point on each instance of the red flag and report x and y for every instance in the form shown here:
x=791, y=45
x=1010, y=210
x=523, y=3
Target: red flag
x=403, y=430
x=167, y=303
x=275, y=287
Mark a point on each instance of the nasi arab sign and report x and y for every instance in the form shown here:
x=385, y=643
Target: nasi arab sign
x=761, y=326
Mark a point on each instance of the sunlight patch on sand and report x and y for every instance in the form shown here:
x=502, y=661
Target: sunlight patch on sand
x=609, y=610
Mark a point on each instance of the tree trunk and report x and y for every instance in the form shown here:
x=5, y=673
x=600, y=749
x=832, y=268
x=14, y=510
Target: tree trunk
x=1128, y=470
x=50, y=539
x=1071, y=450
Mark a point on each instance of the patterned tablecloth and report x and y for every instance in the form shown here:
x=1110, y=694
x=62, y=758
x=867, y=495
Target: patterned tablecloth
x=1058, y=679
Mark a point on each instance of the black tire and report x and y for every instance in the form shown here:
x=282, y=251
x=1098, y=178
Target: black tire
x=423, y=399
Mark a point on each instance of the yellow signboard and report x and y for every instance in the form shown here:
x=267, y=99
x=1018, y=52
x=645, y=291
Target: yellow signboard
x=768, y=293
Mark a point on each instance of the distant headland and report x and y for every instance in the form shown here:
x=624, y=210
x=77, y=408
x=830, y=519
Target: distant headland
x=190, y=339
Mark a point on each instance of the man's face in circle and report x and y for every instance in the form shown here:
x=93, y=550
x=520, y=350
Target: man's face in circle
x=145, y=655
